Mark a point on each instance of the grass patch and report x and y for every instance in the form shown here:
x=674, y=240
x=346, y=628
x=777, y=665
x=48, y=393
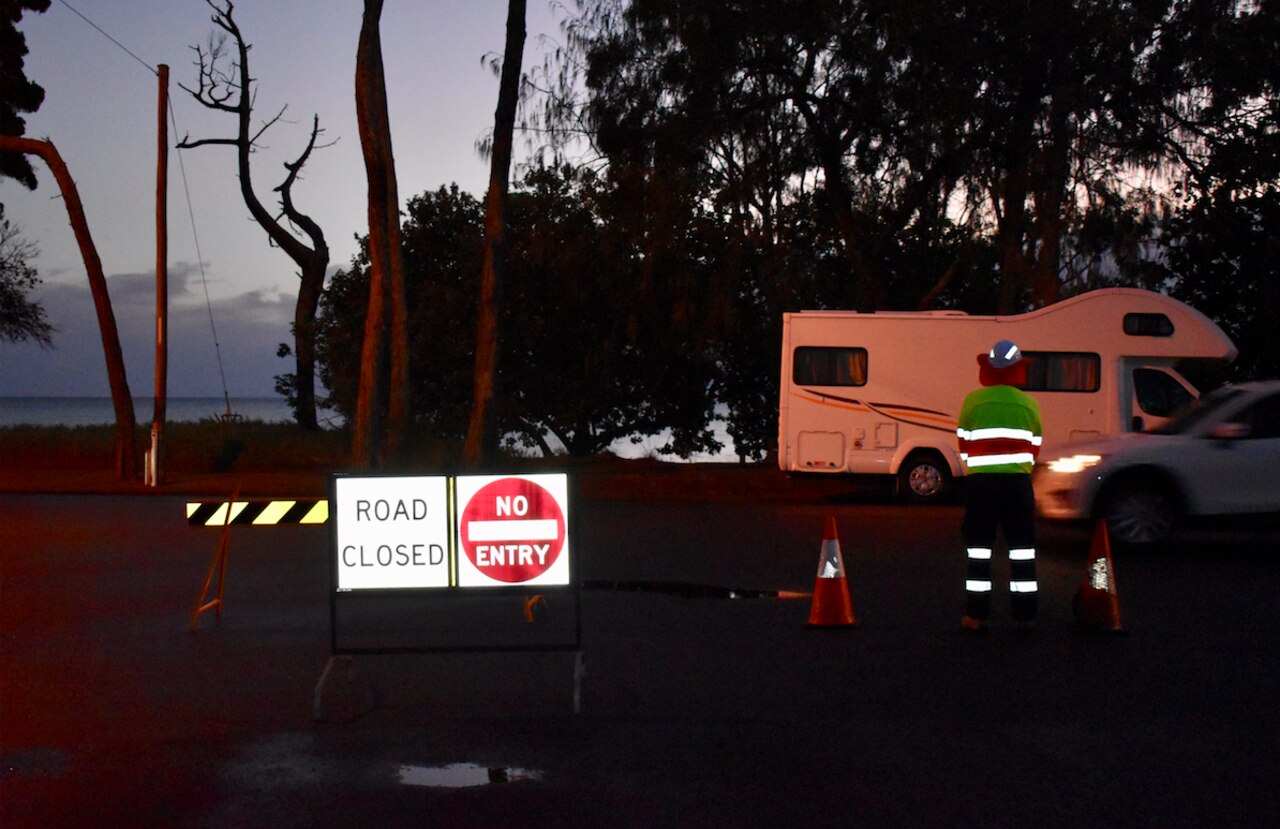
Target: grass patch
x=206, y=446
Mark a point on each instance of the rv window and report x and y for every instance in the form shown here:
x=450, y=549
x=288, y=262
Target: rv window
x=1158, y=394
x=1148, y=325
x=814, y=366
x=1062, y=371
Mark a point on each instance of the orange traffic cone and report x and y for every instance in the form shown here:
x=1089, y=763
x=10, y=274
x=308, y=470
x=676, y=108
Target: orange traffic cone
x=1096, y=604
x=832, y=604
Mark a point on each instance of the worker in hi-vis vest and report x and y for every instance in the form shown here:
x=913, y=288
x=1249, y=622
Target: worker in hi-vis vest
x=1000, y=434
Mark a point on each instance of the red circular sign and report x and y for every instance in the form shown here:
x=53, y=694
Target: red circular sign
x=512, y=530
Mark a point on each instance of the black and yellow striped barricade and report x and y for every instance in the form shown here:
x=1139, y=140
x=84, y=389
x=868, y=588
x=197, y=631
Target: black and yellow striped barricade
x=257, y=512
x=237, y=512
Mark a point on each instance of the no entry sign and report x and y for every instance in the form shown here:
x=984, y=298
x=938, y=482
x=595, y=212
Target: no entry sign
x=513, y=530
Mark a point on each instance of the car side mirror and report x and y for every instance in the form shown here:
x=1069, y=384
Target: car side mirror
x=1230, y=431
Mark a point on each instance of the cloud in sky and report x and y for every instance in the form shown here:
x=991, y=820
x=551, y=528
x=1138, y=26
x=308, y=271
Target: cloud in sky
x=100, y=112
x=249, y=326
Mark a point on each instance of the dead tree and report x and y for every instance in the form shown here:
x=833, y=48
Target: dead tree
x=126, y=459
x=230, y=89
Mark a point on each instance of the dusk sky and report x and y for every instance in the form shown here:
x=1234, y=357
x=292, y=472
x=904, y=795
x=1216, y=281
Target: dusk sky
x=100, y=112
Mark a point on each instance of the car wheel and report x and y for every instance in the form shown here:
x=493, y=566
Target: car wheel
x=1139, y=514
x=924, y=479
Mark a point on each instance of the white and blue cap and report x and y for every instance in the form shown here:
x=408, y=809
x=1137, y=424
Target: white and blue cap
x=1004, y=354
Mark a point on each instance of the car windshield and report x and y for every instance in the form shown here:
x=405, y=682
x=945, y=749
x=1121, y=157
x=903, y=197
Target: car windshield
x=1198, y=411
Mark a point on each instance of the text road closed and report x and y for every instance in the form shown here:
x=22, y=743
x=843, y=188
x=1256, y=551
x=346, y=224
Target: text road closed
x=391, y=532
x=513, y=530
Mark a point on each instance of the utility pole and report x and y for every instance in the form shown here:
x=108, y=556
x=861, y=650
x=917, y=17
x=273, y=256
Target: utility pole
x=155, y=458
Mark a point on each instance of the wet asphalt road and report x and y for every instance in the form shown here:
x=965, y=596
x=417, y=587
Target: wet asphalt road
x=694, y=711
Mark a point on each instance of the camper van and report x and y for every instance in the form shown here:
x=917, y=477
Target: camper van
x=879, y=393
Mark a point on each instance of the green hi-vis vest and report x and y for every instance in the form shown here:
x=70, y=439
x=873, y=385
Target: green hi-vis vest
x=999, y=431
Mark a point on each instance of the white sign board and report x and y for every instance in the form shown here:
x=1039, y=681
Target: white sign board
x=513, y=530
x=392, y=532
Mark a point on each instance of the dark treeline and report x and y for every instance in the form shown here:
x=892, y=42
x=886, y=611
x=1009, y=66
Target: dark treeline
x=753, y=157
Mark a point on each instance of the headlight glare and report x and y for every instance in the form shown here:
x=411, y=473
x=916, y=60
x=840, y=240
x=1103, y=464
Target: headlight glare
x=1072, y=464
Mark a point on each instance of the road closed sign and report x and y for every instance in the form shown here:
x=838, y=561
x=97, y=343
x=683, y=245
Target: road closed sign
x=391, y=532
x=513, y=530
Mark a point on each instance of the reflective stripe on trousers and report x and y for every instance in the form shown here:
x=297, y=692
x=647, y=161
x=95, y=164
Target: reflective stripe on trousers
x=998, y=502
x=1022, y=582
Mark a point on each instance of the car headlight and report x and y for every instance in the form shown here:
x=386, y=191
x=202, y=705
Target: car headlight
x=1072, y=464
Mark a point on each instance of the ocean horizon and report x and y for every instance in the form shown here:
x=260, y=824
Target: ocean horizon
x=99, y=411
x=96, y=411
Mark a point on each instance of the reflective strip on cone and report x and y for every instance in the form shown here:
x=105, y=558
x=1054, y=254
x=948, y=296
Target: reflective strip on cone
x=832, y=602
x=831, y=564
x=1096, y=605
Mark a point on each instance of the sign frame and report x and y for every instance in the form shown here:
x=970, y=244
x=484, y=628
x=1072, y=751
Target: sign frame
x=502, y=594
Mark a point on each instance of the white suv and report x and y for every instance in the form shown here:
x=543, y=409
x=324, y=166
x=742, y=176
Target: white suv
x=1221, y=456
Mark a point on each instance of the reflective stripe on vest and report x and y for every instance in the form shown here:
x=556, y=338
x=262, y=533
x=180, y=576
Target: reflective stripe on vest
x=995, y=445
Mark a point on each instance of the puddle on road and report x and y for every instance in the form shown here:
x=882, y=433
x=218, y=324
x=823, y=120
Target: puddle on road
x=463, y=775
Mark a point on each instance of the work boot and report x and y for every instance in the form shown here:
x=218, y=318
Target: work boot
x=973, y=624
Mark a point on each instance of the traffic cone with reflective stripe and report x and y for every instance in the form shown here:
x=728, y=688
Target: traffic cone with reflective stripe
x=1097, y=604
x=832, y=604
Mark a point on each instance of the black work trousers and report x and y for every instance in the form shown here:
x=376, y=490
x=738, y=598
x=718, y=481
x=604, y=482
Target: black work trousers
x=994, y=502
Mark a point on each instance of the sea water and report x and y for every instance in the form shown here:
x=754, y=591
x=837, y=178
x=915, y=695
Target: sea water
x=96, y=411
x=93, y=411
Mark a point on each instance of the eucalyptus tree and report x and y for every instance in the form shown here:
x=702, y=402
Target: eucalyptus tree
x=382, y=410
x=1023, y=126
x=481, y=432
x=583, y=363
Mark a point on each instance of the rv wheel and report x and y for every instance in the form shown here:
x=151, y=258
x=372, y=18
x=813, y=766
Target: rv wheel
x=924, y=478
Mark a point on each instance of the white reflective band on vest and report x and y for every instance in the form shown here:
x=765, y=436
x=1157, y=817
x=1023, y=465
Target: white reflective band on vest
x=993, y=460
x=1022, y=555
x=999, y=432
x=977, y=586
x=979, y=553
x=1022, y=587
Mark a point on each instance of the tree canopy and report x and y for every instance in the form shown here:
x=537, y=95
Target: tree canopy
x=18, y=93
x=20, y=318
x=752, y=157
x=583, y=365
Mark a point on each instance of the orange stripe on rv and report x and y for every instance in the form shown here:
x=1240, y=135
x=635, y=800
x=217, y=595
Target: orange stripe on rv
x=915, y=415
x=908, y=415
x=835, y=404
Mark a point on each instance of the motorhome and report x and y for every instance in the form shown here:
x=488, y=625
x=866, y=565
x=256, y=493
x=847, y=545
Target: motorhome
x=879, y=393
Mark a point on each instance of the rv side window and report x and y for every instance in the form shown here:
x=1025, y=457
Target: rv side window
x=842, y=366
x=1063, y=371
x=1148, y=325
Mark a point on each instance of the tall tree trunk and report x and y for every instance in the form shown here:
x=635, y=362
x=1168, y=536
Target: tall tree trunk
x=480, y=430
x=387, y=308
x=868, y=293
x=310, y=287
x=126, y=456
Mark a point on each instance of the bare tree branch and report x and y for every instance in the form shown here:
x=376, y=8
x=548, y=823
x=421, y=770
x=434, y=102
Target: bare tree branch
x=233, y=90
